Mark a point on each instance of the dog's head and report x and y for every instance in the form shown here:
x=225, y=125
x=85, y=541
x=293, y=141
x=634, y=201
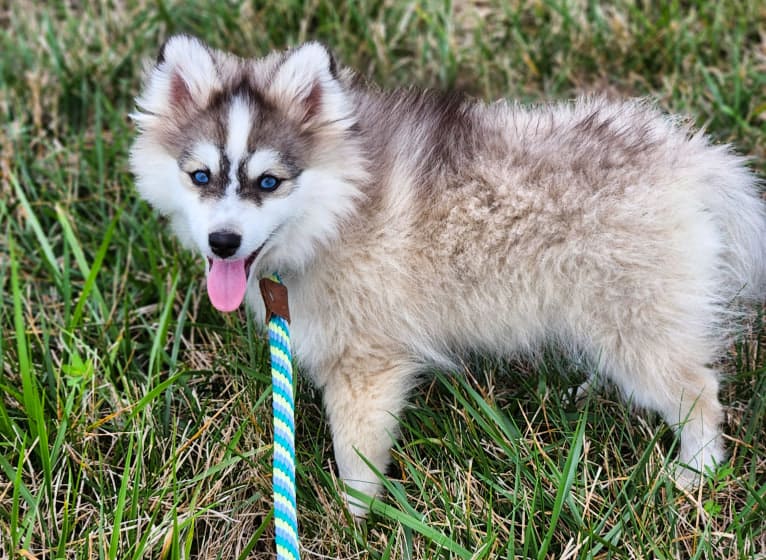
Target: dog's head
x=253, y=161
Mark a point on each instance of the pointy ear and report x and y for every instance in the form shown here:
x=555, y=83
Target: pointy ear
x=182, y=79
x=306, y=87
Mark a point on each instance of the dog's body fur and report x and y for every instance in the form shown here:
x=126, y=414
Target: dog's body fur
x=410, y=227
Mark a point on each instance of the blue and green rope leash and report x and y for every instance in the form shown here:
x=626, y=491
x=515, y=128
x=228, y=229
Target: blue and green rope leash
x=283, y=473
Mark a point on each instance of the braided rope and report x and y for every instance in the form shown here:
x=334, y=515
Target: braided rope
x=283, y=477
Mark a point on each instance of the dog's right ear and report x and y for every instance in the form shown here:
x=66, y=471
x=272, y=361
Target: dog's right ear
x=183, y=78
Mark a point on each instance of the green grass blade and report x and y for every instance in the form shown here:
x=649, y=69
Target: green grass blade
x=160, y=335
x=565, y=483
x=152, y=394
x=33, y=401
x=18, y=487
x=90, y=281
x=37, y=229
x=82, y=262
x=413, y=522
x=256, y=536
x=127, y=479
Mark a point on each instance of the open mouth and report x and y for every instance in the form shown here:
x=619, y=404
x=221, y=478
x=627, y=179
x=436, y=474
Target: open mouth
x=248, y=261
x=227, y=280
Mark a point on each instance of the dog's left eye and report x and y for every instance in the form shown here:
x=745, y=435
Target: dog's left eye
x=200, y=177
x=268, y=182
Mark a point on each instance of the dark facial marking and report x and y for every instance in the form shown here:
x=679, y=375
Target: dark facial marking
x=249, y=189
x=216, y=188
x=246, y=190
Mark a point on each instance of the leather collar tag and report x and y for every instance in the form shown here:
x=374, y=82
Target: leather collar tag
x=275, y=298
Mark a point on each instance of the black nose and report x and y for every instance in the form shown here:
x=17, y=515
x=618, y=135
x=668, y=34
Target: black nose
x=224, y=243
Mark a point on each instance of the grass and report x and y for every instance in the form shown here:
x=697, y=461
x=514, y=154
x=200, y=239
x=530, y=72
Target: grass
x=135, y=420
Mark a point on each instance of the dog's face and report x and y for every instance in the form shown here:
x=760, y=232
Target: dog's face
x=253, y=161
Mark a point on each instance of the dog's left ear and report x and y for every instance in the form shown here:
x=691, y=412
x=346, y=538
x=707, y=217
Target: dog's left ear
x=306, y=87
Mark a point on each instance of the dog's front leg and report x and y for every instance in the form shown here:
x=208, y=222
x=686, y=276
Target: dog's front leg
x=364, y=395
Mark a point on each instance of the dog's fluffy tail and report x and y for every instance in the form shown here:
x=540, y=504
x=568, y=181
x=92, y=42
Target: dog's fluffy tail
x=734, y=200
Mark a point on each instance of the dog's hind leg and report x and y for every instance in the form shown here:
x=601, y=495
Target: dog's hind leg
x=665, y=374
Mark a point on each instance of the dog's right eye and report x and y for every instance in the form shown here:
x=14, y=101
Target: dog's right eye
x=200, y=177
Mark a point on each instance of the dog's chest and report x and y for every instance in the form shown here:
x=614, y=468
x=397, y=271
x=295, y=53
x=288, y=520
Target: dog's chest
x=314, y=334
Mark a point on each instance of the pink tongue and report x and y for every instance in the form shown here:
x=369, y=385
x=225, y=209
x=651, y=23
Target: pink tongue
x=226, y=284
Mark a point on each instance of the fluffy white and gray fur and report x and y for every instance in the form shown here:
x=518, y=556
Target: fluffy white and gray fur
x=411, y=227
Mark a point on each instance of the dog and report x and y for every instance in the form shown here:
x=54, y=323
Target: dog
x=411, y=227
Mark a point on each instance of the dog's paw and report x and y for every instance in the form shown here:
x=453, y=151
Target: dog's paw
x=686, y=478
x=358, y=496
x=356, y=507
x=697, y=463
x=690, y=476
x=585, y=389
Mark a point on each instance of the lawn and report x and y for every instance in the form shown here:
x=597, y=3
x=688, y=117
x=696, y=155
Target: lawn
x=135, y=420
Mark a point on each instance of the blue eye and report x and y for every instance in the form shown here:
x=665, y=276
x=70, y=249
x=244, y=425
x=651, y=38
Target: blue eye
x=200, y=177
x=268, y=182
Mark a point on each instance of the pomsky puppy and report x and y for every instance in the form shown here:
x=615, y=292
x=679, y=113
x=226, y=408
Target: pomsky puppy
x=411, y=227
